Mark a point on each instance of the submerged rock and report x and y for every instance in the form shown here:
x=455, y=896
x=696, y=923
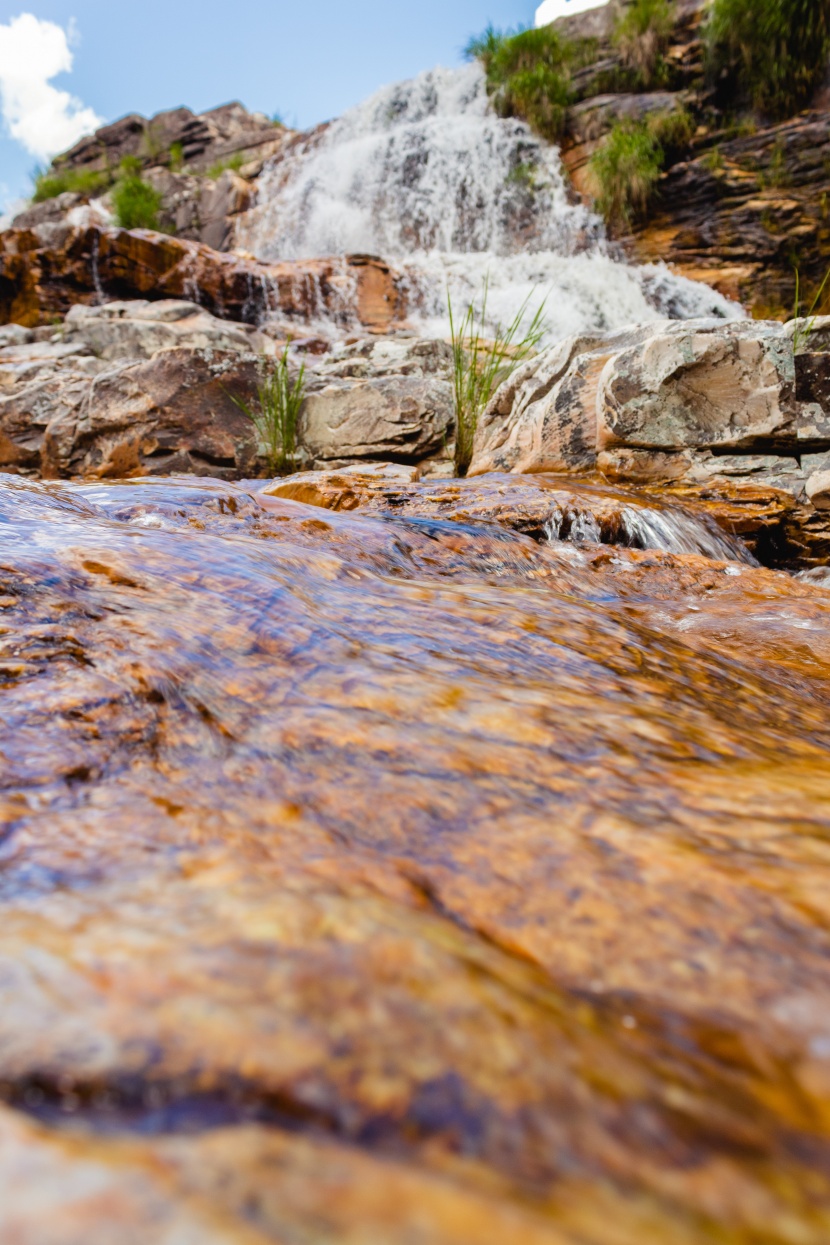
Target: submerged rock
x=394, y=875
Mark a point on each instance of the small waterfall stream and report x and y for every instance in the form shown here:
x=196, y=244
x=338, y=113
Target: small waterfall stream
x=670, y=530
x=425, y=174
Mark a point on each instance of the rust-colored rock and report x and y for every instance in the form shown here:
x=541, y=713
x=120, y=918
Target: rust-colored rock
x=45, y=272
x=389, y=875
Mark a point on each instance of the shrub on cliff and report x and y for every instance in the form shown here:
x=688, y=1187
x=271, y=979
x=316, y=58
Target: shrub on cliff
x=53, y=182
x=627, y=168
x=776, y=51
x=642, y=35
x=527, y=75
x=135, y=203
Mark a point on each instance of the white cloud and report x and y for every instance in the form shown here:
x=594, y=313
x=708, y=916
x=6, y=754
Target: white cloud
x=38, y=115
x=551, y=9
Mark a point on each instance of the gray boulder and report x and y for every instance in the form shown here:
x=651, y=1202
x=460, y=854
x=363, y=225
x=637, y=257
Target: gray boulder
x=138, y=329
x=662, y=401
x=387, y=417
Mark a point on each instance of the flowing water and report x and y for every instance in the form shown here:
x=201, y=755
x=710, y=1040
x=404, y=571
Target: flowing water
x=385, y=869
x=427, y=176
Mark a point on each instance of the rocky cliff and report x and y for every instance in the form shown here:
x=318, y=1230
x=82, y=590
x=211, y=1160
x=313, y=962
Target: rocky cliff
x=742, y=201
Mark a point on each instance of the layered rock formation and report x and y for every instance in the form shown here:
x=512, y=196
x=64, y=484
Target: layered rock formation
x=44, y=272
x=193, y=161
x=742, y=200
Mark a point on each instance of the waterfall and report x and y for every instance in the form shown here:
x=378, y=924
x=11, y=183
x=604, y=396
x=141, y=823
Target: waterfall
x=426, y=175
x=670, y=529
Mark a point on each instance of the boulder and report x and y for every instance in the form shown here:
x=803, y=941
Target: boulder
x=138, y=329
x=397, y=417
x=694, y=405
x=171, y=414
x=660, y=395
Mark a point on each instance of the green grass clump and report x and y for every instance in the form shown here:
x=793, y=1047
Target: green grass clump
x=53, y=182
x=481, y=362
x=627, y=168
x=234, y=162
x=136, y=203
x=175, y=159
x=775, y=50
x=642, y=35
x=277, y=412
x=804, y=323
x=674, y=132
x=528, y=75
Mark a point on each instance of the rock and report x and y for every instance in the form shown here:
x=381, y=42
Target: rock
x=138, y=329
x=699, y=386
x=205, y=139
x=390, y=417
x=697, y=404
x=662, y=390
x=816, y=468
x=167, y=415
x=184, y=157
x=395, y=877
x=379, y=399
x=14, y=335
x=44, y=272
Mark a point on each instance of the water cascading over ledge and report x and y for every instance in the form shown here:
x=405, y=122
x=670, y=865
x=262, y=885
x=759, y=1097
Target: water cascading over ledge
x=426, y=175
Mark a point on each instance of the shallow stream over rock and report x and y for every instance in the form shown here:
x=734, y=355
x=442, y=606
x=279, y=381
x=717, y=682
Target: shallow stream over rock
x=375, y=866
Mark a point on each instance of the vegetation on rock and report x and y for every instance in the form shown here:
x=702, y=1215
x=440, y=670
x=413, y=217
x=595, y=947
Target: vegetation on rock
x=642, y=34
x=277, y=413
x=53, y=182
x=234, y=163
x=482, y=361
x=136, y=204
x=627, y=168
x=529, y=74
x=775, y=50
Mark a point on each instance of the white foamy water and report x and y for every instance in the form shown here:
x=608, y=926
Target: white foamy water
x=427, y=176
x=672, y=530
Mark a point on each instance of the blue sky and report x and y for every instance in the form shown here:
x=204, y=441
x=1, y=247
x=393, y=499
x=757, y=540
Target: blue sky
x=306, y=59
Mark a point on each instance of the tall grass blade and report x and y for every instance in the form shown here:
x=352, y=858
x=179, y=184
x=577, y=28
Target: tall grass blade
x=481, y=363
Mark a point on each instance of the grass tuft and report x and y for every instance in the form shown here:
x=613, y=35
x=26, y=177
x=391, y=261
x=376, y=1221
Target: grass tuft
x=482, y=362
x=528, y=75
x=803, y=325
x=53, y=182
x=627, y=168
x=234, y=163
x=776, y=51
x=136, y=203
x=277, y=413
x=642, y=36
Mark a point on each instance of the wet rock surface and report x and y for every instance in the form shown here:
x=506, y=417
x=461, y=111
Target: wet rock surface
x=392, y=869
x=722, y=410
x=46, y=271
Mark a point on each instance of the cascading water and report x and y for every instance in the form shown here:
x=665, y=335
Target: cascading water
x=426, y=175
x=669, y=529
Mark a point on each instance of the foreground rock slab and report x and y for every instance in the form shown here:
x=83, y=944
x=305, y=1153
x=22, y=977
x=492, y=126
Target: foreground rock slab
x=386, y=872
